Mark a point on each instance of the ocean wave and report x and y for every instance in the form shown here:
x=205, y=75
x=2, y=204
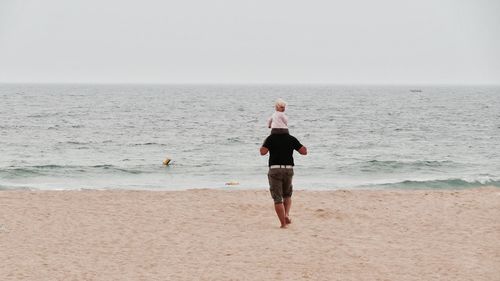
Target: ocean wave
x=64, y=170
x=118, y=169
x=75, y=142
x=374, y=166
x=84, y=142
x=233, y=140
x=17, y=187
x=147, y=143
x=439, y=184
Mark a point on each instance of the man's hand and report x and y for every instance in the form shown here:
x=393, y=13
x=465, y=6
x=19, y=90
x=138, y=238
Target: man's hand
x=263, y=150
x=302, y=150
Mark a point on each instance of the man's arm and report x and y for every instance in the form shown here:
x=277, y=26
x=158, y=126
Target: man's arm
x=302, y=150
x=263, y=150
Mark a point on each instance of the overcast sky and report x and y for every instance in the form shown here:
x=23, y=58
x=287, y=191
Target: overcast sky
x=252, y=41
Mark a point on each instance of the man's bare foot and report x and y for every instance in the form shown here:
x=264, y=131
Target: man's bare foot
x=284, y=226
x=288, y=220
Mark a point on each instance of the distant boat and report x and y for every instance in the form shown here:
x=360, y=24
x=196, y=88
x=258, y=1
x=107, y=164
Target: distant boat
x=415, y=90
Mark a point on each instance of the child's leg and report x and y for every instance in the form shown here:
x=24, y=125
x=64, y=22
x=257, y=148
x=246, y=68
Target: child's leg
x=279, y=131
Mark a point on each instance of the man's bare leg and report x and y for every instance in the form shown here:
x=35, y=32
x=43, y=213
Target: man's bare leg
x=287, y=202
x=280, y=211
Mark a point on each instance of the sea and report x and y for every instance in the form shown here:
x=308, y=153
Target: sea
x=66, y=137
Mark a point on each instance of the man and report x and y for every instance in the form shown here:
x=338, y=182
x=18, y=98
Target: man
x=281, y=147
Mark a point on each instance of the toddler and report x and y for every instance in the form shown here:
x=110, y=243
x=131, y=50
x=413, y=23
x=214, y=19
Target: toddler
x=278, y=122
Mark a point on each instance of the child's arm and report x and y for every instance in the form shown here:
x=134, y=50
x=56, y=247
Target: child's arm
x=269, y=121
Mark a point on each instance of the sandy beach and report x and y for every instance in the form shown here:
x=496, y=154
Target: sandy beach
x=235, y=235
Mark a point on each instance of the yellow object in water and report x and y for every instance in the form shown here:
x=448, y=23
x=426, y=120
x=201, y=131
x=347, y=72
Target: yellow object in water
x=232, y=183
x=166, y=162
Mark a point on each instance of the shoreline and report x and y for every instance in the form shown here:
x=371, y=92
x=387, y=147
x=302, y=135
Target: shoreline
x=236, y=188
x=234, y=235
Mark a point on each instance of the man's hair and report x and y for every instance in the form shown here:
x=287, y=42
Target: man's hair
x=280, y=102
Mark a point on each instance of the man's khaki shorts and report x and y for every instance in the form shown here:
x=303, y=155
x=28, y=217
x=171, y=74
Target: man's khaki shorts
x=280, y=184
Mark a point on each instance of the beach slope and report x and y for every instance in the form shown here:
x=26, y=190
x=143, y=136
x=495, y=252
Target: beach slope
x=235, y=235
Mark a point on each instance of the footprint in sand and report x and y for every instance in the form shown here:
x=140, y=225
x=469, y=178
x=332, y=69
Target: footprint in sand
x=327, y=214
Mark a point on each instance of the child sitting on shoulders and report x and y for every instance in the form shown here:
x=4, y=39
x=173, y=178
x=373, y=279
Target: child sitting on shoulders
x=278, y=122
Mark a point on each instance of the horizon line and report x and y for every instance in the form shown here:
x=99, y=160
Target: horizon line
x=247, y=83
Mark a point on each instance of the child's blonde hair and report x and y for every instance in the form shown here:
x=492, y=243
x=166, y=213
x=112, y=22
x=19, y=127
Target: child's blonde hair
x=280, y=103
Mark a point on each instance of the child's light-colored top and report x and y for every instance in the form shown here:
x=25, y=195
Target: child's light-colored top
x=278, y=121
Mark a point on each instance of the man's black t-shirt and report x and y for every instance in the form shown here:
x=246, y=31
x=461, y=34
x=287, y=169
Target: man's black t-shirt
x=281, y=148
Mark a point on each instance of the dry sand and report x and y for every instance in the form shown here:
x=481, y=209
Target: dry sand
x=235, y=235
